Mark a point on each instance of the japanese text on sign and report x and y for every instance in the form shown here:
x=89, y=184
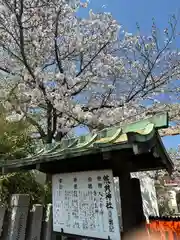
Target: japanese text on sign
x=84, y=204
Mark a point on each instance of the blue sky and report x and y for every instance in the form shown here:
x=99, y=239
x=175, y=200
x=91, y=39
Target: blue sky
x=130, y=12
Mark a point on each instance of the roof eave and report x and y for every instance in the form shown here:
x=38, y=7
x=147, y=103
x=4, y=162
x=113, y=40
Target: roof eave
x=164, y=155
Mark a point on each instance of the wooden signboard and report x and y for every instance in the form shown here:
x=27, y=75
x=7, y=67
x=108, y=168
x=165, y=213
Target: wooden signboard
x=84, y=204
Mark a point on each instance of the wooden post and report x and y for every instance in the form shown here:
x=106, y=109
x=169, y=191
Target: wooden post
x=126, y=201
x=35, y=222
x=18, y=217
x=137, y=204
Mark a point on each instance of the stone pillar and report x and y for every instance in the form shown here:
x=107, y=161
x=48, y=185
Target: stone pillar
x=126, y=201
x=172, y=201
x=47, y=224
x=2, y=215
x=35, y=222
x=18, y=217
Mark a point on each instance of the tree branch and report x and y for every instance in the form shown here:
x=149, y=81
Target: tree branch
x=92, y=59
x=39, y=128
x=54, y=127
x=49, y=123
x=55, y=42
x=21, y=36
x=34, y=123
x=11, y=53
x=48, y=65
x=109, y=94
x=5, y=70
x=91, y=109
x=80, y=89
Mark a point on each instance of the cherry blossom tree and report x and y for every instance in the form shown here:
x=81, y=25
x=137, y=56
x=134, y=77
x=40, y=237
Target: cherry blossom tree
x=60, y=71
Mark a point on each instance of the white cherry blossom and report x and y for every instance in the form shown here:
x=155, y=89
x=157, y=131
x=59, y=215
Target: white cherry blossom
x=61, y=71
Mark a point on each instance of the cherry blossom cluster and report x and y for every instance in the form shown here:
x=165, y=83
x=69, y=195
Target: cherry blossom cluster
x=60, y=71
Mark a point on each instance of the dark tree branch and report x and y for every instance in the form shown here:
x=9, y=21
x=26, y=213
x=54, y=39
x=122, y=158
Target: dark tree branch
x=55, y=42
x=5, y=70
x=67, y=55
x=83, y=68
x=11, y=53
x=33, y=122
x=81, y=61
x=49, y=123
x=10, y=33
x=109, y=94
x=149, y=73
x=92, y=59
x=80, y=89
x=21, y=36
x=151, y=65
x=49, y=64
x=39, y=128
x=54, y=127
x=41, y=85
x=91, y=109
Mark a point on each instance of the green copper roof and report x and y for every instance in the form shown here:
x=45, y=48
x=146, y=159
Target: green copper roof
x=108, y=139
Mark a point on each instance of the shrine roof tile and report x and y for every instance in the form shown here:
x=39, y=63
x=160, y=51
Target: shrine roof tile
x=108, y=139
